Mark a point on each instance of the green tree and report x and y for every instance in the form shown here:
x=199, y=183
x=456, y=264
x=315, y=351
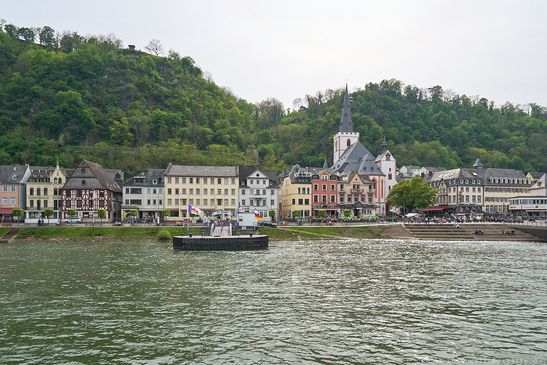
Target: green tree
x=18, y=212
x=412, y=194
x=101, y=213
x=47, y=37
x=48, y=213
x=271, y=214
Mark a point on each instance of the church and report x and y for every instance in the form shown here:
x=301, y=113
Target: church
x=351, y=157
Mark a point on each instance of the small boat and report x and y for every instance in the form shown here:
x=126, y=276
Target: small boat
x=221, y=238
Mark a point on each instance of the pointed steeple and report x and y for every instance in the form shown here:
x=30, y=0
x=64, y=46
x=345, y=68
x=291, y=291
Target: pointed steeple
x=383, y=148
x=345, y=119
x=325, y=164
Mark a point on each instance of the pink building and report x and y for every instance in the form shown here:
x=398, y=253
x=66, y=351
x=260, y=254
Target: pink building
x=324, y=194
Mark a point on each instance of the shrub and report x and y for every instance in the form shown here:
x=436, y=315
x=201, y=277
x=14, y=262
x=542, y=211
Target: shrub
x=164, y=235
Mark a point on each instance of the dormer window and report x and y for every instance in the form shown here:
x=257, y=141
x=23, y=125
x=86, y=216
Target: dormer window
x=348, y=143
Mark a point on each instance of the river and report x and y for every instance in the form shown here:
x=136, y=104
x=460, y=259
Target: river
x=311, y=302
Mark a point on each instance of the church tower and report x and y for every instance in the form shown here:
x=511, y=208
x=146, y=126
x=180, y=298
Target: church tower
x=345, y=136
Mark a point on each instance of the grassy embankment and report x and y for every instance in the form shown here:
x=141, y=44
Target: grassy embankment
x=153, y=233
x=3, y=231
x=100, y=233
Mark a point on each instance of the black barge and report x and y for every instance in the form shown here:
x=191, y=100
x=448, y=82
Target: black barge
x=211, y=243
x=221, y=238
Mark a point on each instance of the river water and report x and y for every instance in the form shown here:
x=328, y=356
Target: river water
x=322, y=302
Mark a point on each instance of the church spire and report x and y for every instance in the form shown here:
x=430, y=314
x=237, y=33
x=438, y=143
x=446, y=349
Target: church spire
x=325, y=164
x=345, y=119
x=383, y=148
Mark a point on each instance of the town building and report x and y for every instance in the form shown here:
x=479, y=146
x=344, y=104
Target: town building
x=351, y=156
x=478, y=189
x=43, y=192
x=324, y=194
x=12, y=191
x=143, y=193
x=357, y=194
x=91, y=187
x=295, y=193
x=209, y=188
x=258, y=191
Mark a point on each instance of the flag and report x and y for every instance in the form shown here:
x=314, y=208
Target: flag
x=239, y=207
x=257, y=214
x=193, y=210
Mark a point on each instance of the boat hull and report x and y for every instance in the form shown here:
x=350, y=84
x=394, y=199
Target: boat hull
x=231, y=243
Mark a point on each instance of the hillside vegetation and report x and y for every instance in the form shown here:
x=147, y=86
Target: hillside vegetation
x=73, y=97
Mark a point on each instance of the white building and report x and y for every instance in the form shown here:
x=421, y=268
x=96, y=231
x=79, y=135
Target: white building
x=258, y=190
x=144, y=193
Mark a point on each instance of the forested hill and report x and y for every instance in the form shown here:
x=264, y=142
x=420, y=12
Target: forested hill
x=73, y=97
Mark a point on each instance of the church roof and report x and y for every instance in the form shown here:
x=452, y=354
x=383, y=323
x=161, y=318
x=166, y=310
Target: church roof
x=345, y=119
x=356, y=158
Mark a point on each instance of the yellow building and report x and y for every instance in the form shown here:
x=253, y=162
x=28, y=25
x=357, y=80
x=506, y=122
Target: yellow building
x=295, y=193
x=43, y=192
x=208, y=188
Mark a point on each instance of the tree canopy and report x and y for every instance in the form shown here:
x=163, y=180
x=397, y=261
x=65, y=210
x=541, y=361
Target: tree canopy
x=74, y=97
x=412, y=194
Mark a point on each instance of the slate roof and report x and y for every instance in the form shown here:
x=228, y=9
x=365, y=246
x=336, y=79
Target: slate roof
x=356, y=158
x=95, y=177
x=246, y=171
x=536, y=175
x=41, y=173
x=12, y=174
x=345, y=119
x=148, y=176
x=214, y=171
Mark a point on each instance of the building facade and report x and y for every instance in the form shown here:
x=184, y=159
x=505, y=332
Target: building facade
x=209, y=188
x=12, y=189
x=478, y=189
x=357, y=195
x=43, y=191
x=295, y=193
x=91, y=187
x=258, y=192
x=324, y=194
x=144, y=194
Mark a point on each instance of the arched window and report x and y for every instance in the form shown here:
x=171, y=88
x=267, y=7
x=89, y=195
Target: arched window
x=348, y=142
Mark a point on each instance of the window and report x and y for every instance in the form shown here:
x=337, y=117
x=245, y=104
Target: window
x=38, y=192
x=13, y=188
x=272, y=192
x=176, y=191
x=83, y=182
x=169, y=201
x=31, y=191
x=314, y=187
x=348, y=142
x=176, y=180
x=5, y=201
x=191, y=180
x=315, y=199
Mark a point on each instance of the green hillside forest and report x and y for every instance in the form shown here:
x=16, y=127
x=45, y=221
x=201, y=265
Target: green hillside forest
x=71, y=97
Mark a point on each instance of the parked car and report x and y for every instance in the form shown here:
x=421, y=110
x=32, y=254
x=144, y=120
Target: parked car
x=72, y=220
x=267, y=224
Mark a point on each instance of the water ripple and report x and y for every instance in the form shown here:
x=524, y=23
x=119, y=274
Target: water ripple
x=323, y=302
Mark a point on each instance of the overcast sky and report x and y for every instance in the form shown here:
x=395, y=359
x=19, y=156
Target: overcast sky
x=289, y=48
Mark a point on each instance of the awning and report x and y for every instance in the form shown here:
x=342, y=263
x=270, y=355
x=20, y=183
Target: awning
x=434, y=209
x=410, y=215
x=6, y=210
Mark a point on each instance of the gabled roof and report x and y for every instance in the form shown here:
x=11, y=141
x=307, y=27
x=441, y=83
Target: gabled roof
x=246, y=171
x=536, y=175
x=95, y=177
x=12, y=174
x=356, y=158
